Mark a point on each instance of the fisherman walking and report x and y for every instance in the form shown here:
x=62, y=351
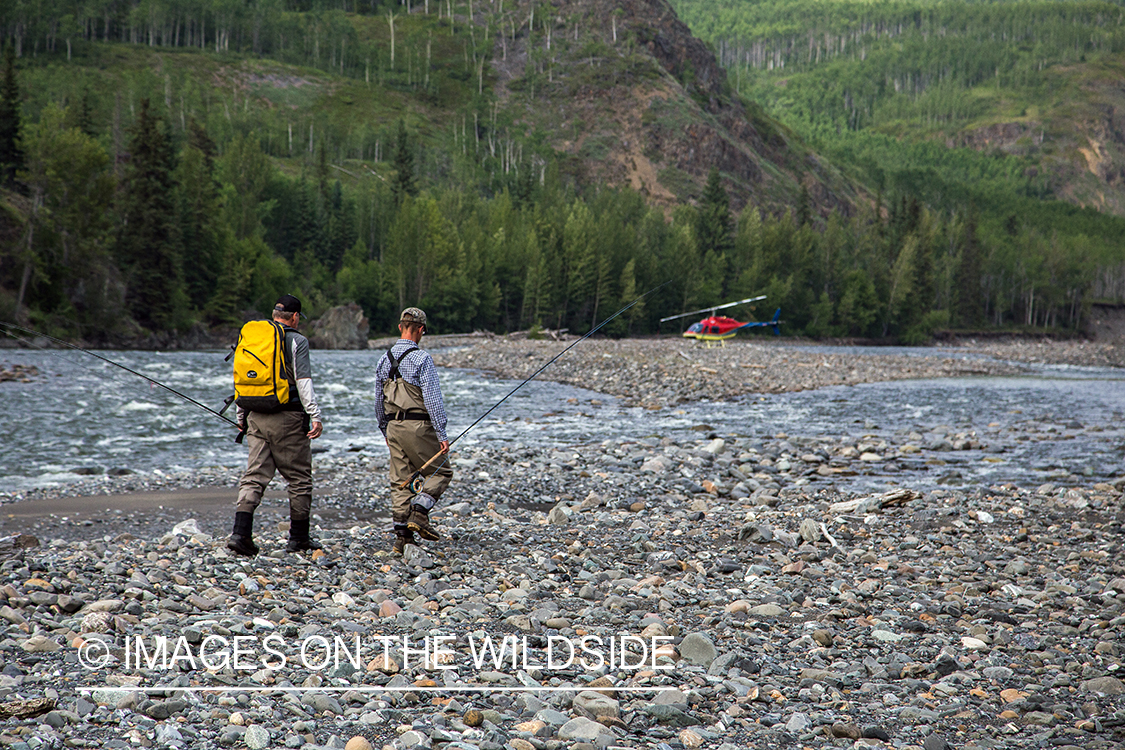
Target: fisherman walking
x=411, y=416
x=279, y=423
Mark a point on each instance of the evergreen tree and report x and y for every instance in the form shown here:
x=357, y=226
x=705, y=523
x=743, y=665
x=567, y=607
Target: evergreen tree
x=11, y=152
x=404, y=183
x=804, y=207
x=969, y=310
x=341, y=234
x=149, y=245
x=203, y=233
x=84, y=116
x=714, y=227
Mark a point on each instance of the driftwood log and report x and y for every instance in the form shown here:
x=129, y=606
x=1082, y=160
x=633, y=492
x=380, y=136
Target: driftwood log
x=874, y=502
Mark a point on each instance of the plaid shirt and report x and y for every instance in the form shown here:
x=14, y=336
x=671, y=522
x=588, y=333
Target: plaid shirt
x=417, y=368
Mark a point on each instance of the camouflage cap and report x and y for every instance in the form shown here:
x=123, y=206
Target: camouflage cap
x=412, y=315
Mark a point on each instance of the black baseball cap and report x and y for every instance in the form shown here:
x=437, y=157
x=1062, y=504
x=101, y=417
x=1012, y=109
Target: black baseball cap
x=289, y=304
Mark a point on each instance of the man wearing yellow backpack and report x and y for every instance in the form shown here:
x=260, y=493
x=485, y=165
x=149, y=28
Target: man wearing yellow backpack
x=278, y=412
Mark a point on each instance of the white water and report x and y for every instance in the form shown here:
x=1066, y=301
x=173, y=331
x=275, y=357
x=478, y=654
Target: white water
x=83, y=414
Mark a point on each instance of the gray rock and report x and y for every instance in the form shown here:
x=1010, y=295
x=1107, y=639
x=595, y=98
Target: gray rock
x=322, y=703
x=797, y=723
x=256, y=737
x=597, y=704
x=1104, y=686
x=810, y=531
x=552, y=717
x=342, y=327
x=935, y=741
x=667, y=714
x=698, y=648
x=163, y=709
x=582, y=728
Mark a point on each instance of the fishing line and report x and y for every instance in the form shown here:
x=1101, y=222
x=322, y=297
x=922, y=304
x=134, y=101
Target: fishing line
x=418, y=474
x=171, y=390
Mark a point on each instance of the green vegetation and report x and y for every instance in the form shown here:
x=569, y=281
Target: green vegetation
x=887, y=90
x=187, y=162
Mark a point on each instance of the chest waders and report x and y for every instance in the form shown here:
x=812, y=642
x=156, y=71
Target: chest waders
x=411, y=438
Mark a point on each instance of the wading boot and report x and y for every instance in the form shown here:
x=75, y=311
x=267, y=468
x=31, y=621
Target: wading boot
x=299, y=539
x=419, y=523
x=402, y=538
x=241, y=540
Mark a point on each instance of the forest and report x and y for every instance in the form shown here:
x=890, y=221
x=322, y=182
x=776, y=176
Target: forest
x=165, y=165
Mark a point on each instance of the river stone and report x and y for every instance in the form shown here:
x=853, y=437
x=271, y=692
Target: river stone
x=797, y=723
x=668, y=714
x=164, y=709
x=256, y=737
x=810, y=531
x=597, y=704
x=39, y=644
x=1104, y=685
x=358, y=743
x=767, y=610
x=935, y=742
x=559, y=515
x=190, y=527
x=697, y=648
x=887, y=636
x=551, y=717
x=581, y=728
x=715, y=447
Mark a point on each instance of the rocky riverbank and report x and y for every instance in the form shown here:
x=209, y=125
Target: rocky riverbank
x=1076, y=353
x=657, y=373
x=787, y=611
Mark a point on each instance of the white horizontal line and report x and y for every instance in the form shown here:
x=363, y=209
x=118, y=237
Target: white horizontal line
x=411, y=689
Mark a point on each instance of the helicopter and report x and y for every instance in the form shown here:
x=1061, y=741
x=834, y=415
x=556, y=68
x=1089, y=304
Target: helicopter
x=720, y=327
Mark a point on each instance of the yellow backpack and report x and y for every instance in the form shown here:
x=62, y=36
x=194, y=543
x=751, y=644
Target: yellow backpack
x=260, y=367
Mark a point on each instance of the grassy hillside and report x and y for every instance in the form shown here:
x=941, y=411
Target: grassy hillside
x=1030, y=83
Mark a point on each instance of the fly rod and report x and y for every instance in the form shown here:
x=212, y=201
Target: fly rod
x=171, y=390
x=416, y=476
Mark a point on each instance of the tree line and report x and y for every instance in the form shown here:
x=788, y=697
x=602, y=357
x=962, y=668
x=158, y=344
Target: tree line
x=192, y=232
x=180, y=205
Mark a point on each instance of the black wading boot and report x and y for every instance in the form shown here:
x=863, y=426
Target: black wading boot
x=299, y=537
x=402, y=538
x=241, y=540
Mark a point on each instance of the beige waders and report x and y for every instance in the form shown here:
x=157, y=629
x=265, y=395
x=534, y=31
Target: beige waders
x=412, y=441
x=278, y=442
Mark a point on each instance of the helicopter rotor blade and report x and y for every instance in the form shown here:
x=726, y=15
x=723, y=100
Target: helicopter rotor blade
x=713, y=309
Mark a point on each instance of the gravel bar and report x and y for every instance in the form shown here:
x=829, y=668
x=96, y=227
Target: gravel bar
x=730, y=589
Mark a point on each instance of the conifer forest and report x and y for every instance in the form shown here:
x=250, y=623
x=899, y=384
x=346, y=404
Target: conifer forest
x=168, y=164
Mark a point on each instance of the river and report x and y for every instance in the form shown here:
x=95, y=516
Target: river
x=82, y=417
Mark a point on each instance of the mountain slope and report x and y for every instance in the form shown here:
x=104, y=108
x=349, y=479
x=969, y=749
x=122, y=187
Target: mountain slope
x=644, y=103
x=1031, y=86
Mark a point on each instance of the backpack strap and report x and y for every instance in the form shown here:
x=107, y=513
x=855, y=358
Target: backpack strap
x=393, y=374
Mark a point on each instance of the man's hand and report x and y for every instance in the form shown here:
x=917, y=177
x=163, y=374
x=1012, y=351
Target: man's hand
x=317, y=428
x=444, y=447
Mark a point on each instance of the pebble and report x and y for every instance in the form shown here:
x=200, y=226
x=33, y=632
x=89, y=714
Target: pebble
x=782, y=621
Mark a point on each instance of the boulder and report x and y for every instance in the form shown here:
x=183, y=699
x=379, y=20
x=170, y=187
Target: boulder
x=342, y=327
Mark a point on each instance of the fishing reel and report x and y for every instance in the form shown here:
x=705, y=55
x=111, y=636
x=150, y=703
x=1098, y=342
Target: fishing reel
x=417, y=482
